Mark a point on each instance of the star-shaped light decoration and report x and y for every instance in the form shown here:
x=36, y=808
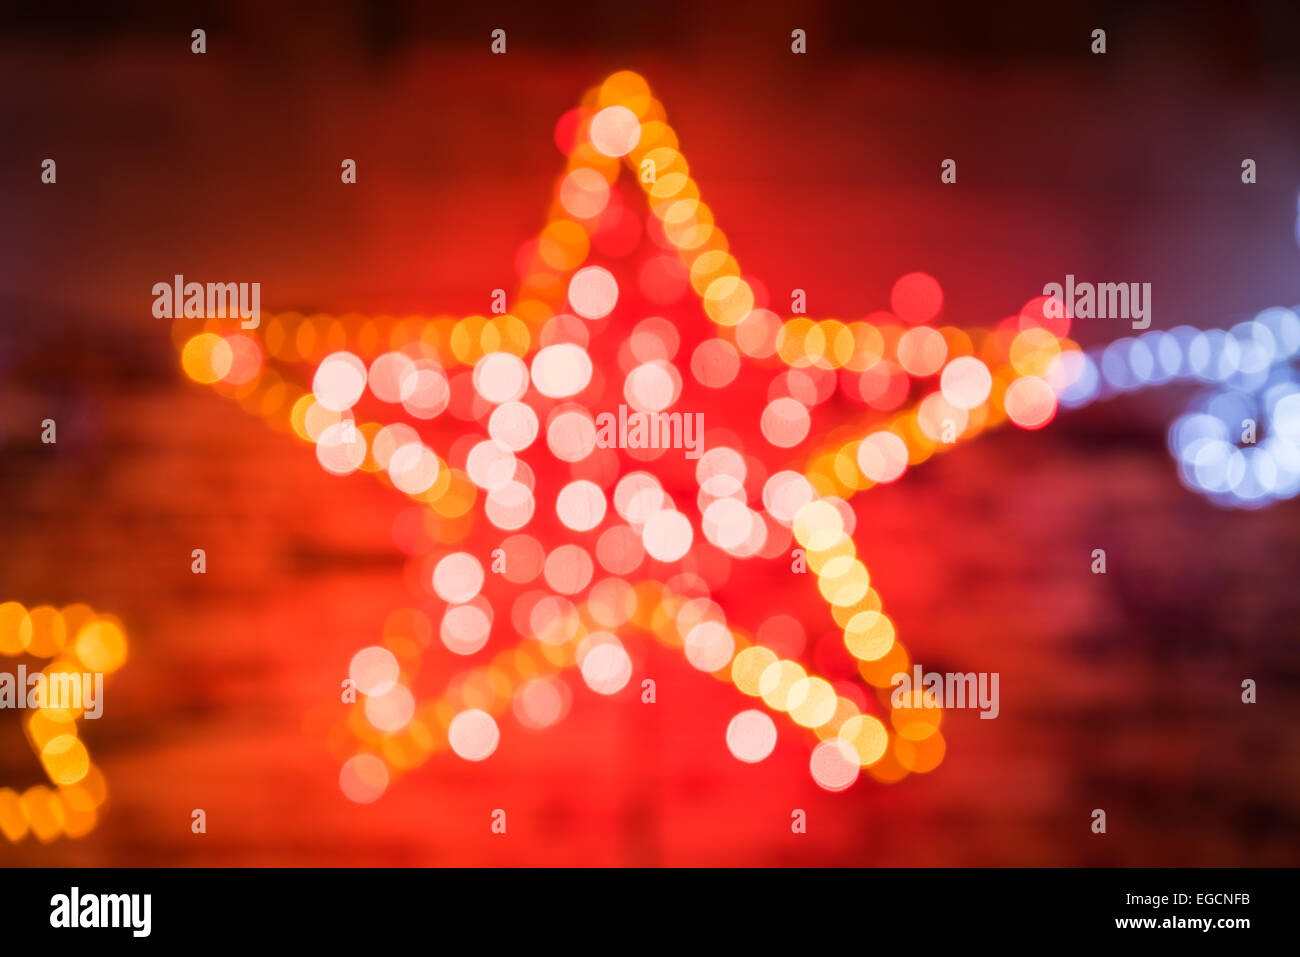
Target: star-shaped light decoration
x=539, y=546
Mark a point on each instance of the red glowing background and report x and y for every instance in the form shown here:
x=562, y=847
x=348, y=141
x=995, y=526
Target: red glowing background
x=1119, y=692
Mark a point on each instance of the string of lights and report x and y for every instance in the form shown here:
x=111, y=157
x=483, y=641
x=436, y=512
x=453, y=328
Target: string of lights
x=76, y=640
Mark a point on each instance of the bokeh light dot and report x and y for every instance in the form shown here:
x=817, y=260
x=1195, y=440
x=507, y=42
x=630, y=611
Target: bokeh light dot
x=751, y=736
x=473, y=734
x=593, y=292
x=615, y=131
x=339, y=381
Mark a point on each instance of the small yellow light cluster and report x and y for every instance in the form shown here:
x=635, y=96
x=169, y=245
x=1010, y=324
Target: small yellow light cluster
x=77, y=640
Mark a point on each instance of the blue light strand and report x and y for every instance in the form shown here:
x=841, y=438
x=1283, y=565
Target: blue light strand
x=1238, y=442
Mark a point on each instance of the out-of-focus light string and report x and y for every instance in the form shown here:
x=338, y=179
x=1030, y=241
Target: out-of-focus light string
x=523, y=679
x=1238, y=442
x=78, y=640
x=1253, y=396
